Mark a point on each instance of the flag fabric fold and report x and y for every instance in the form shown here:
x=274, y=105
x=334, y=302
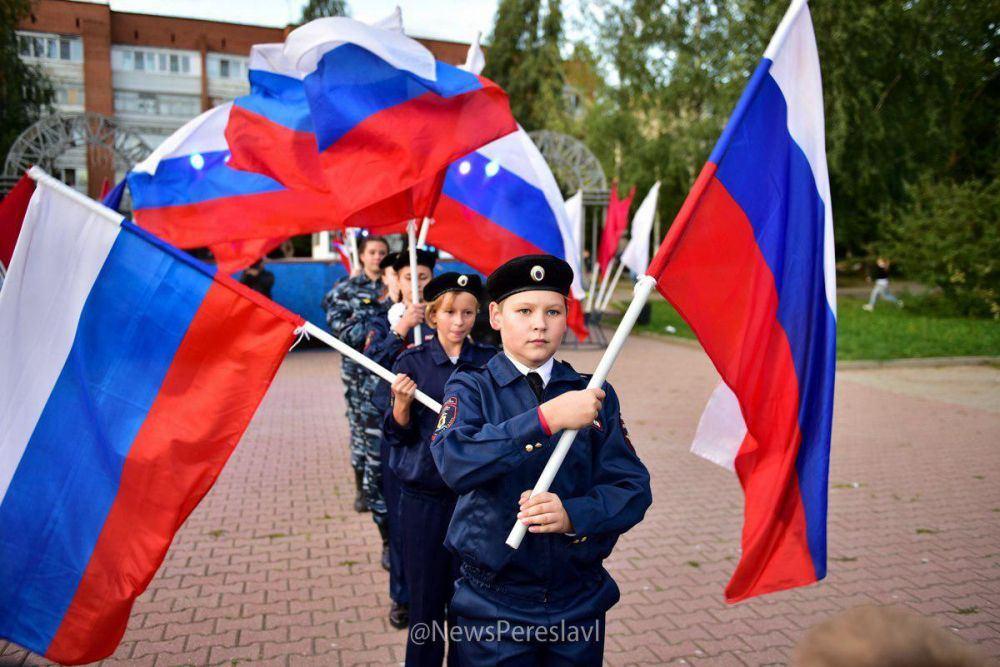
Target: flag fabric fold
x=360, y=113
x=130, y=373
x=506, y=194
x=12, y=210
x=748, y=263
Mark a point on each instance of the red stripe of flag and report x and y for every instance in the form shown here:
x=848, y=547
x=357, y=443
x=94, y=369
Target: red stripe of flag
x=222, y=369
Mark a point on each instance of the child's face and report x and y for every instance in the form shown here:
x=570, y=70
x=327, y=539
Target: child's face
x=455, y=318
x=531, y=325
x=424, y=276
x=372, y=255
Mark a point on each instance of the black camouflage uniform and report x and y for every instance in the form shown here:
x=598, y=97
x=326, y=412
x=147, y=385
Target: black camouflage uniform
x=349, y=305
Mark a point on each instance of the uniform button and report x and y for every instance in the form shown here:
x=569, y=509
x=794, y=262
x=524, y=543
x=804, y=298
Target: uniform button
x=528, y=448
x=537, y=445
x=583, y=539
x=576, y=541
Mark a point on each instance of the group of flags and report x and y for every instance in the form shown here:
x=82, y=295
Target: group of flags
x=131, y=370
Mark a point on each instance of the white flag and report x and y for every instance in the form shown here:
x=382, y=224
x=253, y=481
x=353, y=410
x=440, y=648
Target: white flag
x=636, y=253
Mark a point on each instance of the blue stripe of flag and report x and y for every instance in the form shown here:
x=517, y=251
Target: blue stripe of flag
x=351, y=84
x=493, y=192
x=192, y=179
x=132, y=323
x=768, y=175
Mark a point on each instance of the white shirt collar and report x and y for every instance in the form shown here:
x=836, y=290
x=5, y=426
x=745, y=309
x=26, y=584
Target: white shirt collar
x=545, y=370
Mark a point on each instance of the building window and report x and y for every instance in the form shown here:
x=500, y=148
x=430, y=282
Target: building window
x=153, y=104
x=69, y=95
x=144, y=60
x=227, y=67
x=49, y=47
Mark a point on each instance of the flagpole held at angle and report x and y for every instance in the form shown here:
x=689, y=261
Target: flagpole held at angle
x=369, y=364
x=642, y=289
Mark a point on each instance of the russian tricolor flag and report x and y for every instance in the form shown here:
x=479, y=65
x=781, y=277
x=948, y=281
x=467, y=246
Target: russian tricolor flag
x=749, y=264
x=130, y=372
x=506, y=194
x=362, y=113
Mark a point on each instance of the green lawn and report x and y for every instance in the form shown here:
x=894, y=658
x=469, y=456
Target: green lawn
x=886, y=333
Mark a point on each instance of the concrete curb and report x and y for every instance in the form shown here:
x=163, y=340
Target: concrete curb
x=856, y=364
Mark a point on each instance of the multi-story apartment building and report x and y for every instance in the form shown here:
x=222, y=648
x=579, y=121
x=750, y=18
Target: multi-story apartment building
x=151, y=73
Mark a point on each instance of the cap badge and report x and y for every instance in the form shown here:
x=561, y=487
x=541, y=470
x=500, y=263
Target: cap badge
x=463, y=281
x=537, y=273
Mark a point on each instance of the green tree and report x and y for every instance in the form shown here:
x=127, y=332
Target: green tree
x=315, y=9
x=524, y=59
x=911, y=90
x=25, y=91
x=948, y=236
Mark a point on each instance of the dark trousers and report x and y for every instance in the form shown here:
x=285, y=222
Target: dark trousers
x=491, y=643
x=430, y=572
x=390, y=488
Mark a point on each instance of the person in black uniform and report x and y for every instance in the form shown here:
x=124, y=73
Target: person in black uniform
x=425, y=502
x=544, y=603
x=257, y=278
x=388, y=334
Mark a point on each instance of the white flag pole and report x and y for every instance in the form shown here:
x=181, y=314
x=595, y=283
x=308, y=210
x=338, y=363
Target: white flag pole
x=604, y=284
x=614, y=284
x=411, y=233
x=424, y=228
x=368, y=364
x=352, y=235
x=642, y=290
x=594, y=270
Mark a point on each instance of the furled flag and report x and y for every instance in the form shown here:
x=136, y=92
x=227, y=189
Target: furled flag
x=502, y=201
x=383, y=116
x=749, y=264
x=615, y=224
x=635, y=256
x=130, y=372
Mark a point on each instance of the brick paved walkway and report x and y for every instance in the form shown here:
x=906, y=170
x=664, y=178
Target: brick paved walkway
x=275, y=568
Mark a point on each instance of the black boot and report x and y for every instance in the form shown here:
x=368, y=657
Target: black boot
x=359, y=500
x=399, y=615
x=383, y=530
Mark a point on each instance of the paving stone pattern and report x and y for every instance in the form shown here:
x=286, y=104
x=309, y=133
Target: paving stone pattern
x=274, y=567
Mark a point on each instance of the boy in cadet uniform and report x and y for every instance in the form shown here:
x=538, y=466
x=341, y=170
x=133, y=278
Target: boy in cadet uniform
x=545, y=602
x=389, y=332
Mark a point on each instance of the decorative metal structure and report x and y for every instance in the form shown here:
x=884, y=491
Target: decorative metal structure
x=51, y=136
x=577, y=169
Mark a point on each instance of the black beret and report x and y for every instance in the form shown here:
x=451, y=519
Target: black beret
x=388, y=261
x=454, y=282
x=527, y=273
x=426, y=258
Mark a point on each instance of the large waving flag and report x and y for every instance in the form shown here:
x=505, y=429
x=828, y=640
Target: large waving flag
x=361, y=113
x=12, y=210
x=749, y=264
x=130, y=372
x=502, y=201
x=635, y=256
x=186, y=193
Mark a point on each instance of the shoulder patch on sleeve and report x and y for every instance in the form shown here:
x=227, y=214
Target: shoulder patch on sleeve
x=449, y=411
x=628, y=440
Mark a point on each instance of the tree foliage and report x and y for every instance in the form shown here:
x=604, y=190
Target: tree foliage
x=315, y=9
x=948, y=237
x=25, y=91
x=912, y=91
x=524, y=59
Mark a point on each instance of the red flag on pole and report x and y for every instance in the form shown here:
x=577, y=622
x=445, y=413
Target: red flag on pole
x=614, y=226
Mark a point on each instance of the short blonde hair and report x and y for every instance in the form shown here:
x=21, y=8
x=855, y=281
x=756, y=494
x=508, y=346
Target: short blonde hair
x=444, y=300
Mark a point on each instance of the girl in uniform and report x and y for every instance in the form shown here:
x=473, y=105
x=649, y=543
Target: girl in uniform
x=426, y=503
